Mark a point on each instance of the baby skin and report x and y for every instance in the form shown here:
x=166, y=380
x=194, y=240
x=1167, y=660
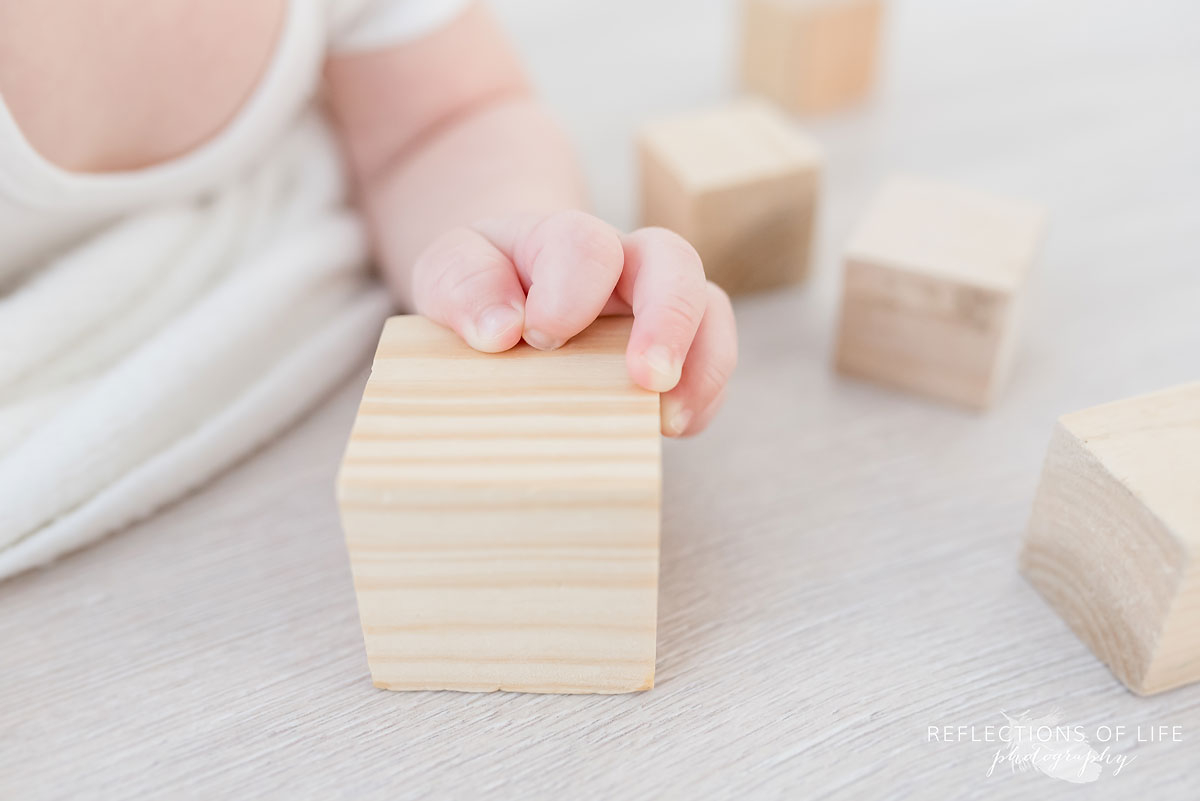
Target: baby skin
x=471, y=193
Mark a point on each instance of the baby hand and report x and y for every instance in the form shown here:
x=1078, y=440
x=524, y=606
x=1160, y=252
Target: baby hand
x=547, y=278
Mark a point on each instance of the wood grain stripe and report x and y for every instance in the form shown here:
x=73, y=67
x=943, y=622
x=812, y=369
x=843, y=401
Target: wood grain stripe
x=496, y=491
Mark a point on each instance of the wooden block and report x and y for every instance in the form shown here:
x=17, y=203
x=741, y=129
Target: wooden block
x=740, y=183
x=1114, y=539
x=810, y=55
x=930, y=286
x=501, y=512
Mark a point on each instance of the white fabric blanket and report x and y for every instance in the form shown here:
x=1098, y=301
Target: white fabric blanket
x=147, y=359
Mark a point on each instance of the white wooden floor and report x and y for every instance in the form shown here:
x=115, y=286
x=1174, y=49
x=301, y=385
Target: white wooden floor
x=838, y=561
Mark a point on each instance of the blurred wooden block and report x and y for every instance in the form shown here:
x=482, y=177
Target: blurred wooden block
x=931, y=280
x=1114, y=540
x=810, y=55
x=501, y=513
x=740, y=183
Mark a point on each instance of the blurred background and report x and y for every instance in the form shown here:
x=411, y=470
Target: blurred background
x=838, y=560
x=1088, y=108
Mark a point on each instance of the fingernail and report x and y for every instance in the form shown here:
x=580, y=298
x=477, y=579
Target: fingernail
x=542, y=341
x=495, y=321
x=675, y=417
x=664, y=367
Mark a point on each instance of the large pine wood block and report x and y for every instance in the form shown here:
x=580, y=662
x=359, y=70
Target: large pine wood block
x=1114, y=539
x=930, y=289
x=741, y=184
x=810, y=55
x=501, y=513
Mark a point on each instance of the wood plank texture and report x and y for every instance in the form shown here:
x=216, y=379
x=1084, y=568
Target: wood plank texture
x=931, y=286
x=741, y=183
x=501, y=512
x=1114, y=541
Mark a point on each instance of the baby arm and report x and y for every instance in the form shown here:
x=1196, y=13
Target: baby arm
x=472, y=196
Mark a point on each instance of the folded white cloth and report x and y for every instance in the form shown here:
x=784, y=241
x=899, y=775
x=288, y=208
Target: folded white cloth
x=146, y=359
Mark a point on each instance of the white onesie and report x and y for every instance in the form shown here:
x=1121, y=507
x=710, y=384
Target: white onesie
x=158, y=324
